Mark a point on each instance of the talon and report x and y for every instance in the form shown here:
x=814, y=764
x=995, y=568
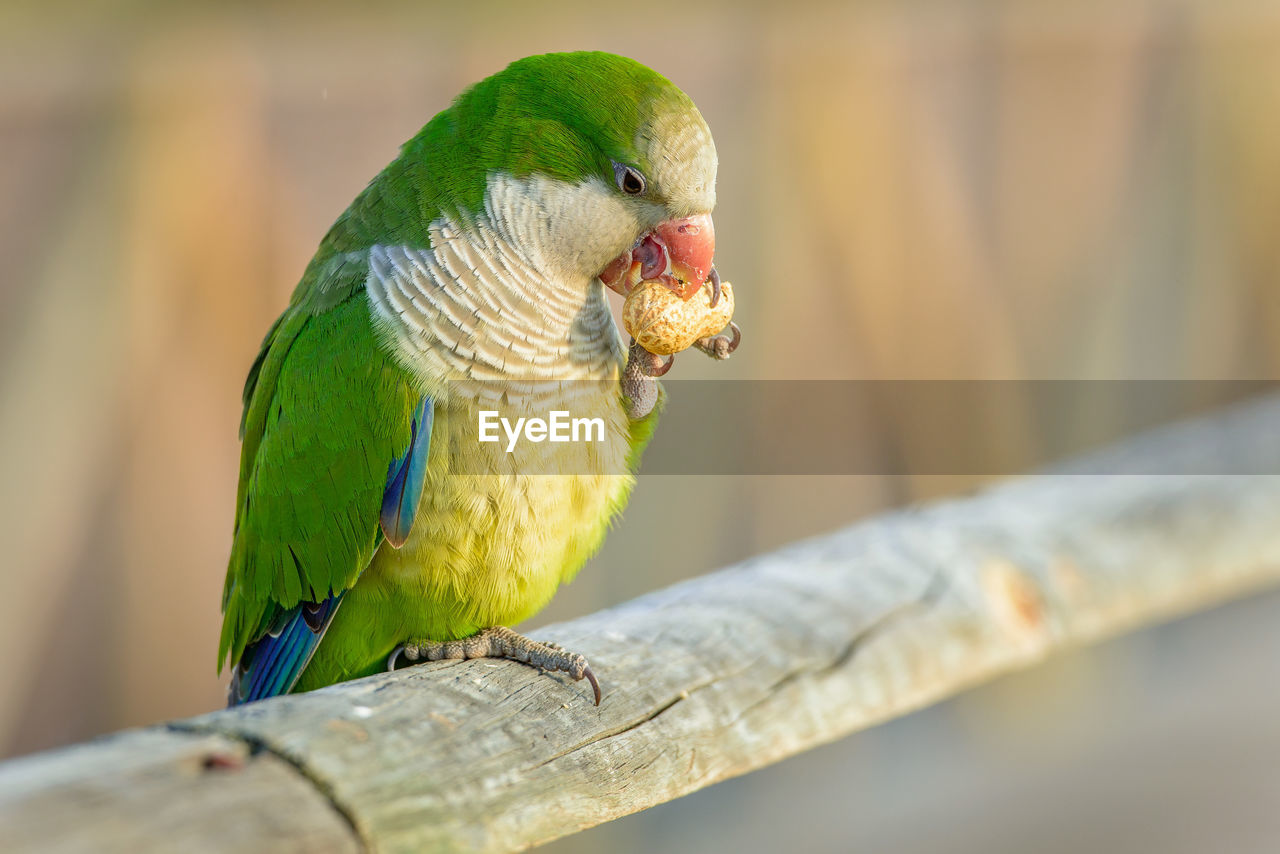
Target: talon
x=391, y=660
x=737, y=336
x=656, y=368
x=714, y=279
x=718, y=346
x=595, y=686
x=650, y=364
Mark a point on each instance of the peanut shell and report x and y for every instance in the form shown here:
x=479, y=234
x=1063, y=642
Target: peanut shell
x=663, y=324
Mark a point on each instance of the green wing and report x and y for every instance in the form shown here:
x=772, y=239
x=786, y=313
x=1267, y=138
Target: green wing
x=326, y=412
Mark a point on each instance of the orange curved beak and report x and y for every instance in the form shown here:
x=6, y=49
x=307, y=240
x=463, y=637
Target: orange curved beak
x=679, y=252
x=691, y=246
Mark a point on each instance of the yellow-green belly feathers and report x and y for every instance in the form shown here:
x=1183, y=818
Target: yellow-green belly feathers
x=493, y=539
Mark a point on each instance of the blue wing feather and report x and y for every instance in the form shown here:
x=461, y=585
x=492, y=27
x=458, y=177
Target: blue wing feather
x=272, y=664
x=405, y=477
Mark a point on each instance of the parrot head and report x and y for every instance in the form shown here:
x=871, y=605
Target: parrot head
x=613, y=163
x=672, y=195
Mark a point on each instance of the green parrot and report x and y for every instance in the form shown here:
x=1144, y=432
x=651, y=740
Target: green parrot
x=372, y=522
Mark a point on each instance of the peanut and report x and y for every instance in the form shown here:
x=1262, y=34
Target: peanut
x=663, y=323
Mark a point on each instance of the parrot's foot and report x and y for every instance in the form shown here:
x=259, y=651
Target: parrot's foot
x=649, y=364
x=500, y=642
x=720, y=346
x=638, y=387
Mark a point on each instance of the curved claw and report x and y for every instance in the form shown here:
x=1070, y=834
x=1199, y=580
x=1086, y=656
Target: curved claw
x=595, y=686
x=718, y=346
x=657, y=369
x=391, y=660
x=714, y=279
x=737, y=336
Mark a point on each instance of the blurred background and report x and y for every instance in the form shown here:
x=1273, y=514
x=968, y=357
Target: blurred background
x=908, y=190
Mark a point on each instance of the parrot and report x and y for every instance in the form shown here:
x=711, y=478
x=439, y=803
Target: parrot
x=372, y=524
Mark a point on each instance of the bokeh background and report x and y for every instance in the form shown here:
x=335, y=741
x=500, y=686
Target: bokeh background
x=961, y=190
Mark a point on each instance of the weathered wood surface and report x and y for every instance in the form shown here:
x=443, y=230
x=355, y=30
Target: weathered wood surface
x=703, y=681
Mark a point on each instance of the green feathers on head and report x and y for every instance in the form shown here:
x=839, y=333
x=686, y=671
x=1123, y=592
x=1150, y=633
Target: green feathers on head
x=563, y=115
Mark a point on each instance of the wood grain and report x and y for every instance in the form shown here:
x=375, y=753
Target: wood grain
x=704, y=680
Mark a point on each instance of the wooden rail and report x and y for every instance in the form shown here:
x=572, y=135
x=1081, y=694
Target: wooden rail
x=705, y=680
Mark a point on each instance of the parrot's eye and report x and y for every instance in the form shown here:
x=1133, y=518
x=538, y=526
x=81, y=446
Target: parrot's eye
x=630, y=181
